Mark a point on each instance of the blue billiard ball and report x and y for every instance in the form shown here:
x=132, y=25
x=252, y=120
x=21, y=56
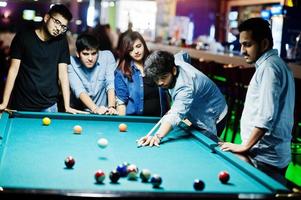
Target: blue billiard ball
x=122, y=169
x=156, y=181
x=198, y=184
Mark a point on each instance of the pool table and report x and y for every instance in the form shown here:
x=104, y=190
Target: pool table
x=32, y=160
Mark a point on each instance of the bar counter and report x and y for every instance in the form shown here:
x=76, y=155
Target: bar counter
x=223, y=58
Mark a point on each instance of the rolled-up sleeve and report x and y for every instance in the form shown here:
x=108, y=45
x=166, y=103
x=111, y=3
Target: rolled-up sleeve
x=111, y=66
x=181, y=105
x=268, y=103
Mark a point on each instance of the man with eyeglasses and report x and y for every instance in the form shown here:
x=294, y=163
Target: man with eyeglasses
x=39, y=60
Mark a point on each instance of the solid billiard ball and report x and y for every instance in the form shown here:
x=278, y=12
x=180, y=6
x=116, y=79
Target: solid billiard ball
x=198, y=184
x=122, y=127
x=46, y=121
x=224, y=176
x=156, y=181
x=69, y=162
x=102, y=143
x=99, y=176
x=145, y=175
x=77, y=129
x=114, y=176
x=122, y=169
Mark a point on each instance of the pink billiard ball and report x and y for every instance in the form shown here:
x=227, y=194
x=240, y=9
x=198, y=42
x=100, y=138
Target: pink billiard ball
x=69, y=162
x=224, y=176
x=99, y=176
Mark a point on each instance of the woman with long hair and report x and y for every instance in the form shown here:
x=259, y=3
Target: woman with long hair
x=137, y=94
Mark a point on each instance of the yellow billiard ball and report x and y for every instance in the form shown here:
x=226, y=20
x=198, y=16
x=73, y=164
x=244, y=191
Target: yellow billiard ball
x=77, y=129
x=122, y=127
x=46, y=121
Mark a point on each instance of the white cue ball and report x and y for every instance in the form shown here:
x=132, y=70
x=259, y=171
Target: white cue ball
x=102, y=143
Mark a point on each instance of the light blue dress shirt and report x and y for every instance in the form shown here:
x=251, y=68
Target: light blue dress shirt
x=95, y=81
x=269, y=104
x=195, y=97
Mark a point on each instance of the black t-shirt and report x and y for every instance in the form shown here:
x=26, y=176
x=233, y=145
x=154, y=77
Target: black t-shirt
x=151, y=98
x=36, y=85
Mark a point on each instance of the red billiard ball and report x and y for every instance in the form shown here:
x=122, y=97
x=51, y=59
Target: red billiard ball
x=69, y=162
x=156, y=181
x=224, y=176
x=198, y=184
x=99, y=176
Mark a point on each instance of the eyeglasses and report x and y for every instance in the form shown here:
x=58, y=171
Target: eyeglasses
x=57, y=22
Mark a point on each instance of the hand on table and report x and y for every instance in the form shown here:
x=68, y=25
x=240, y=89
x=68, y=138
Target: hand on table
x=149, y=141
x=235, y=148
x=111, y=111
x=100, y=110
x=2, y=107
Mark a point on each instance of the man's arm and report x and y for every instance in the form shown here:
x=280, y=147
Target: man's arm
x=255, y=136
x=64, y=81
x=10, y=81
x=121, y=109
x=111, y=102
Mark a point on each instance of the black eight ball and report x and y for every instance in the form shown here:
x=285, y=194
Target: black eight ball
x=114, y=176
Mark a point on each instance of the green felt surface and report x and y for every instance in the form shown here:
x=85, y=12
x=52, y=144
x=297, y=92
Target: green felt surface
x=32, y=157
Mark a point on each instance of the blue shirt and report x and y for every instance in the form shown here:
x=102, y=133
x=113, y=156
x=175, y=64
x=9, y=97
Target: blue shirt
x=95, y=81
x=195, y=97
x=131, y=93
x=269, y=104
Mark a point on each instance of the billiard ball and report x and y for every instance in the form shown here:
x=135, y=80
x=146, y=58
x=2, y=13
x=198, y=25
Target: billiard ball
x=131, y=167
x=122, y=169
x=46, y=121
x=102, y=143
x=77, y=129
x=69, y=162
x=224, y=176
x=132, y=172
x=156, y=181
x=114, y=176
x=122, y=127
x=145, y=175
x=99, y=176
x=198, y=184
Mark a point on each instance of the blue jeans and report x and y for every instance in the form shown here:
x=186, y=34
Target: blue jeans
x=52, y=108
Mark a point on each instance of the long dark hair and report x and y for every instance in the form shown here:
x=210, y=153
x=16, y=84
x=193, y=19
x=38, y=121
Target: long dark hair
x=124, y=52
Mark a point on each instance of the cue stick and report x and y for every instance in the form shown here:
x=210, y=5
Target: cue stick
x=152, y=130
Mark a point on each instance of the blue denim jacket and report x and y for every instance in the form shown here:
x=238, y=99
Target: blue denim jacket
x=131, y=93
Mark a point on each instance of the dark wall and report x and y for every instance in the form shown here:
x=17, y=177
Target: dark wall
x=201, y=12
x=15, y=22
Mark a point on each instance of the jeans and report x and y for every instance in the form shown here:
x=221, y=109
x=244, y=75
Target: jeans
x=52, y=108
